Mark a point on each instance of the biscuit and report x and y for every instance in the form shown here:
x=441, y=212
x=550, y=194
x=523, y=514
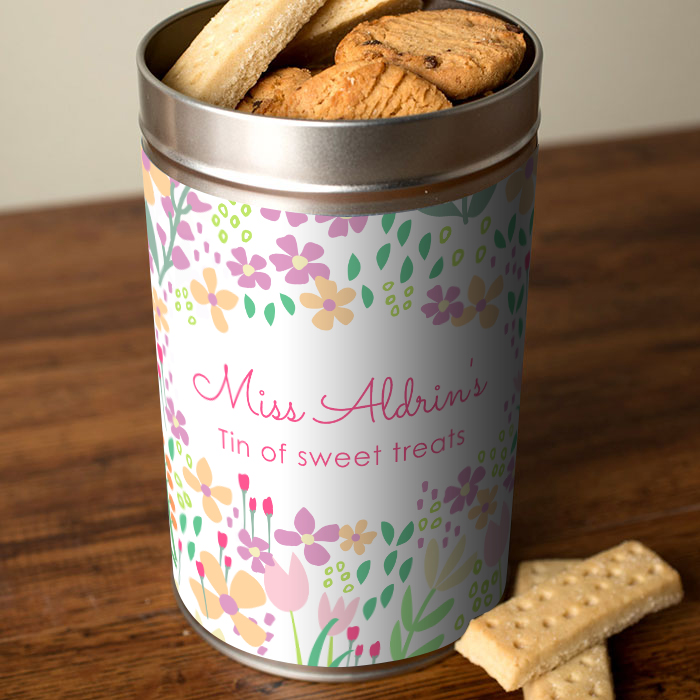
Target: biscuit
x=578, y=608
x=315, y=44
x=464, y=53
x=363, y=90
x=235, y=48
x=587, y=675
x=269, y=93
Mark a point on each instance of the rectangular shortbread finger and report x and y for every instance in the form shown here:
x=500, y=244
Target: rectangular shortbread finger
x=317, y=40
x=556, y=620
x=587, y=675
x=235, y=48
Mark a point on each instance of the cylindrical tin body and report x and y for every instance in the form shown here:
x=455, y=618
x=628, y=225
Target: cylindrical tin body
x=340, y=316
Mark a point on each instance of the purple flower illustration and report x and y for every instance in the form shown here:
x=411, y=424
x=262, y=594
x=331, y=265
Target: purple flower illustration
x=340, y=224
x=442, y=308
x=305, y=525
x=509, y=481
x=249, y=272
x=293, y=218
x=177, y=422
x=301, y=266
x=467, y=489
x=257, y=549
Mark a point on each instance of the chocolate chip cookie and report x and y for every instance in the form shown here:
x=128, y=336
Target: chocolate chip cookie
x=363, y=90
x=270, y=92
x=464, y=53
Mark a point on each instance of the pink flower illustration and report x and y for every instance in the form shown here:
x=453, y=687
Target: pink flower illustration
x=301, y=266
x=177, y=421
x=353, y=633
x=497, y=538
x=248, y=273
x=305, y=525
x=293, y=218
x=340, y=612
x=288, y=591
x=374, y=651
x=340, y=224
x=509, y=481
x=256, y=548
x=466, y=491
x=441, y=308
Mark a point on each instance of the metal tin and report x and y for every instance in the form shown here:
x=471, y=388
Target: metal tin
x=417, y=167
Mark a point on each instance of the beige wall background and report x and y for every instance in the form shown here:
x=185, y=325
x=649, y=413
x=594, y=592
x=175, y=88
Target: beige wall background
x=68, y=112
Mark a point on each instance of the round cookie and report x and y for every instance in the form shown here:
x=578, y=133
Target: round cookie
x=269, y=93
x=464, y=53
x=363, y=90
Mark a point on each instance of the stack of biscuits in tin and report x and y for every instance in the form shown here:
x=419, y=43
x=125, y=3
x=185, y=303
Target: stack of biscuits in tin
x=346, y=59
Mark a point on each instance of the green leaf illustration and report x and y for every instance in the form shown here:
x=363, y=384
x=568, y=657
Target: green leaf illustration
x=249, y=306
x=385, y=597
x=367, y=296
x=183, y=522
x=320, y=641
x=395, y=645
x=407, y=610
x=499, y=240
x=342, y=657
x=388, y=222
x=383, y=255
x=434, y=617
x=477, y=203
x=520, y=298
x=406, y=534
x=424, y=246
x=171, y=448
x=447, y=209
x=387, y=532
x=514, y=443
x=190, y=550
x=511, y=301
x=363, y=571
x=353, y=267
x=368, y=608
x=152, y=245
x=522, y=238
x=511, y=228
x=197, y=525
x=406, y=270
x=520, y=328
x=270, y=313
x=288, y=304
x=432, y=645
x=404, y=232
x=405, y=569
x=437, y=269
x=390, y=562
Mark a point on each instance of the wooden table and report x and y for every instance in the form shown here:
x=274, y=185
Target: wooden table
x=610, y=436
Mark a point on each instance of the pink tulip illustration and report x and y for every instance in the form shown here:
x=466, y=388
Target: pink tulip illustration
x=223, y=541
x=374, y=651
x=358, y=653
x=343, y=614
x=496, y=541
x=244, y=484
x=353, y=633
x=288, y=591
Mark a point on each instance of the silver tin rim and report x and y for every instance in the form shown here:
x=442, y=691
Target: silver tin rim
x=311, y=673
x=363, y=166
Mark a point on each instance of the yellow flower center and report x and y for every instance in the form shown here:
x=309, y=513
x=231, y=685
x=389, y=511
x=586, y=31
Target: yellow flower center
x=248, y=270
x=254, y=551
x=442, y=306
x=176, y=424
x=299, y=262
x=465, y=489
x=307, y=539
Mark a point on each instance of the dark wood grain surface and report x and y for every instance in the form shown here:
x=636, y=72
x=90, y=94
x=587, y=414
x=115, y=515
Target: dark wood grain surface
x=609, y=438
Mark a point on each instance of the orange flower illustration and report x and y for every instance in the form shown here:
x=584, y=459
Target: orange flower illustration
x=331, y=302
x=151, y=175
x=485, y=508
x=159, y=311
x=478, y=296
x=356, y=538
x=209, y=493
x=220, y=301
x=245, y=592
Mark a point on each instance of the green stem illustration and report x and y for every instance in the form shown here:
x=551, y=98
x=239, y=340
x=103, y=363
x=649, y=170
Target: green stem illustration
x=172, y=536
x=244, y=510
x=347, y=663
x=174, y=223
x=269, y=539
x=204, y=593
x=330, y=650
x=252, y=523
x=417, y=620
x=296, y=639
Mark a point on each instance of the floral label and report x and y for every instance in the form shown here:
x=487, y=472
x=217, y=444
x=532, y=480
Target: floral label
x=340, y=401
